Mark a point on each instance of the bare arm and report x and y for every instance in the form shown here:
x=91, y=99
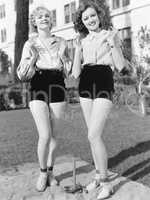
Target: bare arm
x=117, y=54
x=76, y=69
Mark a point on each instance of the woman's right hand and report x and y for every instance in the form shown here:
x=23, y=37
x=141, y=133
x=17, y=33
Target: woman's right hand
x=34, y=52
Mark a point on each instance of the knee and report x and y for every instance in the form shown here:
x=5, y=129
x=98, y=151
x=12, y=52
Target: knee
x=94, y=136
x=53, y=142
x=44, y=139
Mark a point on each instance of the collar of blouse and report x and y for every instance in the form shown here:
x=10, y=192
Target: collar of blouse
x=94, y=35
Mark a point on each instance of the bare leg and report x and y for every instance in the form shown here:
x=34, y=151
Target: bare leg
x=96, y=112
x=87, y=105
x=57, y=112
x=100, y=110
x=40, y=112
x=52, y=145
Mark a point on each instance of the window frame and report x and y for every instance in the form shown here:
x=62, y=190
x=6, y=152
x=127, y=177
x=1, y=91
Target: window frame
x=69, y=12
x=116, y=4
x=2, y=11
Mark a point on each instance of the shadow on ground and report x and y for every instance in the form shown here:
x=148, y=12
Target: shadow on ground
x=137, y=171
x=132, y=151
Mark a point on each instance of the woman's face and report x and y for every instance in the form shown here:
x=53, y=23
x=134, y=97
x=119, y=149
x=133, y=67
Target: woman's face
x=90, y=19
x=43, y=19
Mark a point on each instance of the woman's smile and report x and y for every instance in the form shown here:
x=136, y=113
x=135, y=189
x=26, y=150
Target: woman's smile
x=90, y=19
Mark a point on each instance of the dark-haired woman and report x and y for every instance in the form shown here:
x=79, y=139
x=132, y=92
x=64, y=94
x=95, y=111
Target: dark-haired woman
x=93, y=62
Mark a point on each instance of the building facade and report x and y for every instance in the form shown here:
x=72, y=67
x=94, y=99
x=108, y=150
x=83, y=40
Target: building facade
x=7, y=27
x=127, y=15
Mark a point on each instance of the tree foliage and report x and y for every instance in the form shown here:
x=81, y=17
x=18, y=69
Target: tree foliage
x=22, y=15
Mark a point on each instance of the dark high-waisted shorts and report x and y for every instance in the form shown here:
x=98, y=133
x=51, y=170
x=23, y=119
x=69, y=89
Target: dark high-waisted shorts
x=48, y=86
x=96, y=81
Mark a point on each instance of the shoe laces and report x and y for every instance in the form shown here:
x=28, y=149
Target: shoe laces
x=105, y=190
x=95, y=182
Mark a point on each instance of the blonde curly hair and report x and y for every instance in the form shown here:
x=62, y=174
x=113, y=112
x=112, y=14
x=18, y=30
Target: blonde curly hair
x=35, y=12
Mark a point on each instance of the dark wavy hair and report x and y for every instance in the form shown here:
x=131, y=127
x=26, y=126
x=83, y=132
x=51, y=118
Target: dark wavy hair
x=78, y=24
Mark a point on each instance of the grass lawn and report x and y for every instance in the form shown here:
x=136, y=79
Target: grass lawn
x=127, y=137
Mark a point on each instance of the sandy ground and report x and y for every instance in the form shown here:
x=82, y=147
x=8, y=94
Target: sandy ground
x=127, y=138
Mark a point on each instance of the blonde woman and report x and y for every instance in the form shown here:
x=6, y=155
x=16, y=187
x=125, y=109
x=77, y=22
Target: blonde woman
x=47, y=88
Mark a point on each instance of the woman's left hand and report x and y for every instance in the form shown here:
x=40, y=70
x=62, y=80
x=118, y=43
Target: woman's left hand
x=112, y=37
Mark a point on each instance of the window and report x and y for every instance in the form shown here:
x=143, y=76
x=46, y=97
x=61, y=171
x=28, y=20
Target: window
x=53, y=17
x=125, y=35
x=2, y=11
x=73, y=10
x=125, y=2
x=69, y=11
x=3, y=35
x=116, y=4
x=120, y=3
